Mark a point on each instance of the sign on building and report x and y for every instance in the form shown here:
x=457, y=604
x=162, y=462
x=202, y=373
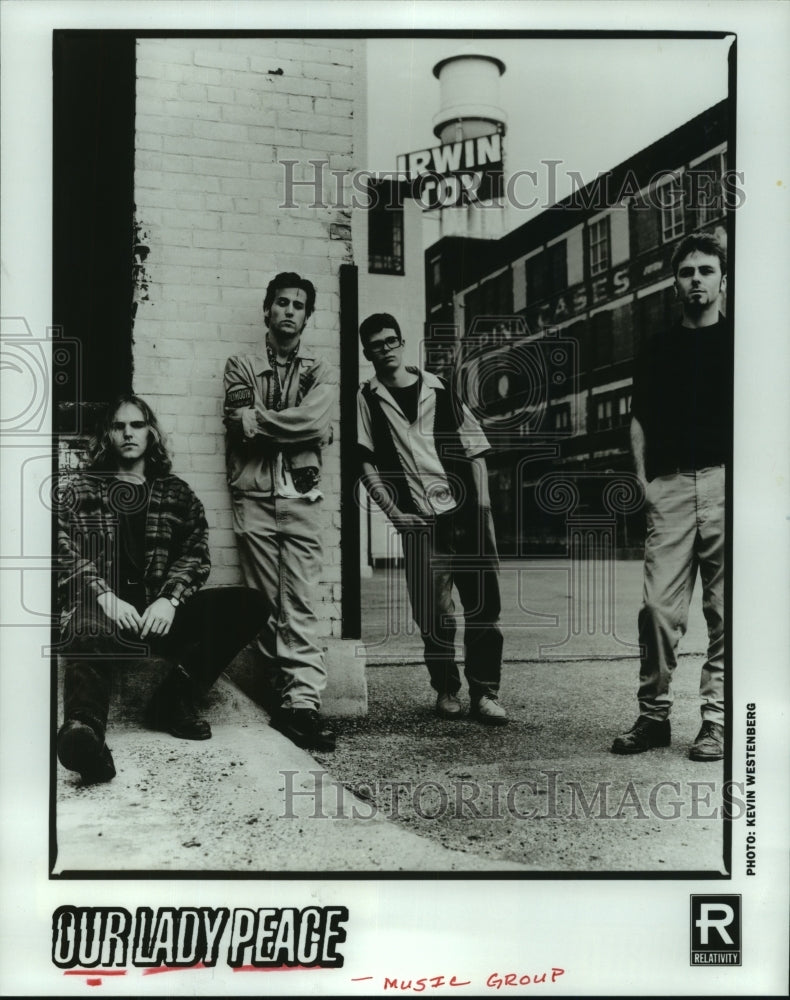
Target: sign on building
x=456, y=173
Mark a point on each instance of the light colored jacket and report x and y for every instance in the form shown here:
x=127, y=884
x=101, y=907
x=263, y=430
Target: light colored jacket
x=296, y=433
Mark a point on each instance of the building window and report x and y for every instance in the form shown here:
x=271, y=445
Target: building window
x=643, y=227
x=603, y=414
x=602, y=339
x=704, y=181
x=537, y=279
x=599, y=247
x=557, y=265
x=560, y=418
x=547, y=272
x=612, y=410
x=385, y=229
x=670, y=198
x=487, y=305
x=436, y=272
x=622, y=333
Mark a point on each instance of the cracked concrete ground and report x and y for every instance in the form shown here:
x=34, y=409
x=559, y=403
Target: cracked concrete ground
x=224, y=805
x=221, y=805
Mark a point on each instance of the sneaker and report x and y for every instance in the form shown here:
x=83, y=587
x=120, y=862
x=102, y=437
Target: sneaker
x=305, y=728
x=488, y=710
x=709, y=744
x=173, y=709
x=448, y=706
x=81, y=750
x=645, y=734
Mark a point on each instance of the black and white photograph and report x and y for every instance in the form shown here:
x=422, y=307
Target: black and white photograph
x=396, y=385
x=394, y=484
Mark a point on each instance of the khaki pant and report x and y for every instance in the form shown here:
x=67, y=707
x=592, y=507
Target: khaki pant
x=280, y=552
x=685, y=533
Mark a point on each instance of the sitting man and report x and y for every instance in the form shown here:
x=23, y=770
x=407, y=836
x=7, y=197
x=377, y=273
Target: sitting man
x=133, y=549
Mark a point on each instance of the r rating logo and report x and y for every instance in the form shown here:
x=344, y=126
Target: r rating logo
x=716, y=930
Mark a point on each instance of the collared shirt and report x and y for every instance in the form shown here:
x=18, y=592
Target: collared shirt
x=418, y=443
x=176, y=559
x=293, y=421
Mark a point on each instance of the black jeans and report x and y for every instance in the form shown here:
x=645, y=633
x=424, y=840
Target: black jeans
x=457, y=549
x=207, y=632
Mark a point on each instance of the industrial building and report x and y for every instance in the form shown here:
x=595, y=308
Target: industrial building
x=541, y=328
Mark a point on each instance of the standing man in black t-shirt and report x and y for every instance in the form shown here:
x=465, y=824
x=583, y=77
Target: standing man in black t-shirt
x=680, y=438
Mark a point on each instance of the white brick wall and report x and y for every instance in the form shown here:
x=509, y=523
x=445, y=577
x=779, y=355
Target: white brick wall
x=213, y=119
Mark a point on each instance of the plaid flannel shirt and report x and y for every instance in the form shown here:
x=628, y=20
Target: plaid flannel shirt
x=177, y=559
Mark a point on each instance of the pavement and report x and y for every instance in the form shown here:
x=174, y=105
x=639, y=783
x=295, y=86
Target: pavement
x=406, y=792
x=221, y=805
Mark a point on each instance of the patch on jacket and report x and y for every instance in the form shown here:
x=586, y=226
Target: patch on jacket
x=239, y=397
x=306, y=381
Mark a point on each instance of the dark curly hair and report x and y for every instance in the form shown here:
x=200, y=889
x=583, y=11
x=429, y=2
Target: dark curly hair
x=102, y=456
x=707, y=243
x=290, y=279
x=375, y=324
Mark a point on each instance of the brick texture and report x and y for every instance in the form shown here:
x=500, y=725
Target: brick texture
x=214, y=118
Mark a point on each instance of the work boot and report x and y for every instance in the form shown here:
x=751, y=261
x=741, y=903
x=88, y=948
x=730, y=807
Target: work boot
x=305, y=728
x=173, y=708
x=487, y=709
x=80, y=749
x=645, y=734
x=709, y=744
x=448, y=706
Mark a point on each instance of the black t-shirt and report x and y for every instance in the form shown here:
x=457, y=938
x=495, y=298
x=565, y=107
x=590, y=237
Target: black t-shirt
x=682, y=397
x=131, y=537
x=408, y=398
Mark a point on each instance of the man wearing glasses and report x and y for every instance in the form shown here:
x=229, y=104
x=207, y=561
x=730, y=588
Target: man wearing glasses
x=421, y=452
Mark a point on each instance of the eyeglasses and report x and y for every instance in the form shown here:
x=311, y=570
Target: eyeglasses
x=382, y=347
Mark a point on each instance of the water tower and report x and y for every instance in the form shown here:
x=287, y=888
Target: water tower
x=469, y=108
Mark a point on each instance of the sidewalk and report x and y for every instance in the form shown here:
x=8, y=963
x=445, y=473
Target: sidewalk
x=223, y=805
x=551, y=610
x=545, y=790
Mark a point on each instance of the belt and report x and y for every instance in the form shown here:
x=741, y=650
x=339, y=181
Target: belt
x=679, y=470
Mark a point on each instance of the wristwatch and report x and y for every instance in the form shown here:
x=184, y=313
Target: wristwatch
x=174, y=601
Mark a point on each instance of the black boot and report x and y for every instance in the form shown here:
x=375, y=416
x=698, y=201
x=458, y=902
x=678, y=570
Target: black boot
x=645, y=734
x=305, y=728
x=81, y=749
x=173, y=708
